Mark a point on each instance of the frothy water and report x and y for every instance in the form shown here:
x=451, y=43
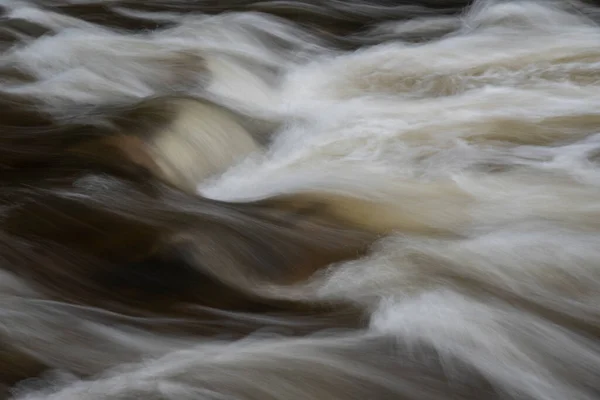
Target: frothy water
x=469, y=141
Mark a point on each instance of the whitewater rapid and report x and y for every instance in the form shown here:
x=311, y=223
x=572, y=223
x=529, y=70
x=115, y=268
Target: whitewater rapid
x=474, y=154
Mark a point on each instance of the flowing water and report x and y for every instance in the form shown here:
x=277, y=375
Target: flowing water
x=467, y=138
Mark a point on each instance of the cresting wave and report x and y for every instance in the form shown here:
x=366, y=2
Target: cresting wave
x=290, y=200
